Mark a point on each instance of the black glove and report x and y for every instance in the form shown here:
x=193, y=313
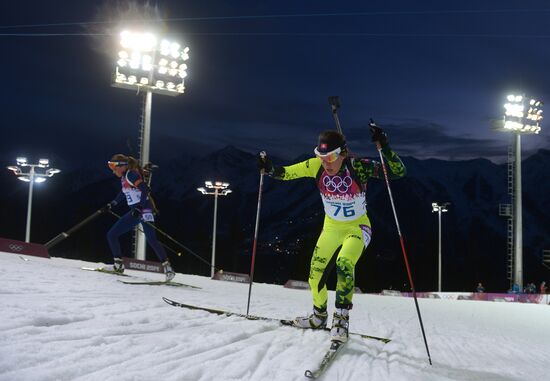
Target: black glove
x=108, y=207
x=265, y=163
x=135, y=212
x=378, y=134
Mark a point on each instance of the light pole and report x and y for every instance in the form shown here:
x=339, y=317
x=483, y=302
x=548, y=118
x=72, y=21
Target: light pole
x=32, y=176
x=145, y=64
x=522, y=116
x=439, y=208
x=215, y=189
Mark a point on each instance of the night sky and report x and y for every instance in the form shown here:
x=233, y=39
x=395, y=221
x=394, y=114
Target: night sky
x=434, y=74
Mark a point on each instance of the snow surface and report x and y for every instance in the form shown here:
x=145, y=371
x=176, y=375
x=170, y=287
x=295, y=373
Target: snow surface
x=58, y=322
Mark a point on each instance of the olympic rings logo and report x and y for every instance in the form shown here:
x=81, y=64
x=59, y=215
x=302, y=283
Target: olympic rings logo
x=15, y=247
x=337, y=183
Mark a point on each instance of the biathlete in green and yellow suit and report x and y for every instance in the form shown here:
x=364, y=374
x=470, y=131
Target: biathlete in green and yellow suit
x=342, y=182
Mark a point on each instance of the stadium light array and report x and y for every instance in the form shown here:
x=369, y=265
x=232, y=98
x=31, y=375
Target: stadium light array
x=145, y=62
x=522, y=116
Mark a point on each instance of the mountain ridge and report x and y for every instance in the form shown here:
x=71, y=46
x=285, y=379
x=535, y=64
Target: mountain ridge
x=474, y=235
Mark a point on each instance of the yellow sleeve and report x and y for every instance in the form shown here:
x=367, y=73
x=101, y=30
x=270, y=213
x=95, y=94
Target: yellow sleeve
x=306, y=168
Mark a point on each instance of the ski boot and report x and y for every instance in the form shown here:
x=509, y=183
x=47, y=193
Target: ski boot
x=118, y=266
x=170, y=274
x=340, y=325
x=317, y=320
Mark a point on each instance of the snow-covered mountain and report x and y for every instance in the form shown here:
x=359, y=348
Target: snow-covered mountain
x=474, y=235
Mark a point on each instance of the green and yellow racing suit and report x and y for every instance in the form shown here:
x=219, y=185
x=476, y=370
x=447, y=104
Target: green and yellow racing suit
x=346, y=222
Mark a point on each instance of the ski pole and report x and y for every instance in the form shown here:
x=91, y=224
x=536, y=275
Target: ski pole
x=171, y=239
x=262, y=155
x=379, y=148
x=61, y=236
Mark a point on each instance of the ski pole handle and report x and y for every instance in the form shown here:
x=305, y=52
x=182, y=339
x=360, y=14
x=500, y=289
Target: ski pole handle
x=373, y=127
x=263, y=156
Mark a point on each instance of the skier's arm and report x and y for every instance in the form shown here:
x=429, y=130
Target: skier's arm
x=395, y=166
x=136, y=179
x=366, y=168
x=118, y=199
x=306, y=168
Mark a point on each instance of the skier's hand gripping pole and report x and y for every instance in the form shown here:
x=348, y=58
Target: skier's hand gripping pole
x=264, y=163
x=379, y=137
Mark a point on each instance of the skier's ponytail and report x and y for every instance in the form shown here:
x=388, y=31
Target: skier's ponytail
x=133, y=164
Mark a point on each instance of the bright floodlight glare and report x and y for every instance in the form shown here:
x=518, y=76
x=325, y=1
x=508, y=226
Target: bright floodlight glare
x=216, y=186
x=142, y=56
x=521, y=117
x=144, y=42
x=16, y=170
x=37, y=172
x=436, y=207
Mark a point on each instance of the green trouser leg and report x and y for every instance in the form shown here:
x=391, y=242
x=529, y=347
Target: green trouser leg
x=349, y=237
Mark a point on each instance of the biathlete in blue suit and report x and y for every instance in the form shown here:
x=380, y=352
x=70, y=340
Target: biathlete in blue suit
x=136, y=193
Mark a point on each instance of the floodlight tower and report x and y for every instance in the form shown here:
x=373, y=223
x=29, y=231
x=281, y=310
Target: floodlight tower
x=522, y=116
x=37, y=173
x=218, y=188
x=152, y=66
x=439, y=208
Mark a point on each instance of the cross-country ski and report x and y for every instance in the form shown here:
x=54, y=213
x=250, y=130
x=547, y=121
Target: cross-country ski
x=159, y=283
x=328, y=358
x=284, y=322
x=104, y=270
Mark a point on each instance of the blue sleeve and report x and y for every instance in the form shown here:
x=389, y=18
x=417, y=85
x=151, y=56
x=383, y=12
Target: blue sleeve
x=118, y=199
x=144, y=194
x=133, y=177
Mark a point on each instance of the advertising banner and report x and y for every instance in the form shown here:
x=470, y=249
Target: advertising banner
x=23, y=248
x=232, y=277
x=137, y=264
